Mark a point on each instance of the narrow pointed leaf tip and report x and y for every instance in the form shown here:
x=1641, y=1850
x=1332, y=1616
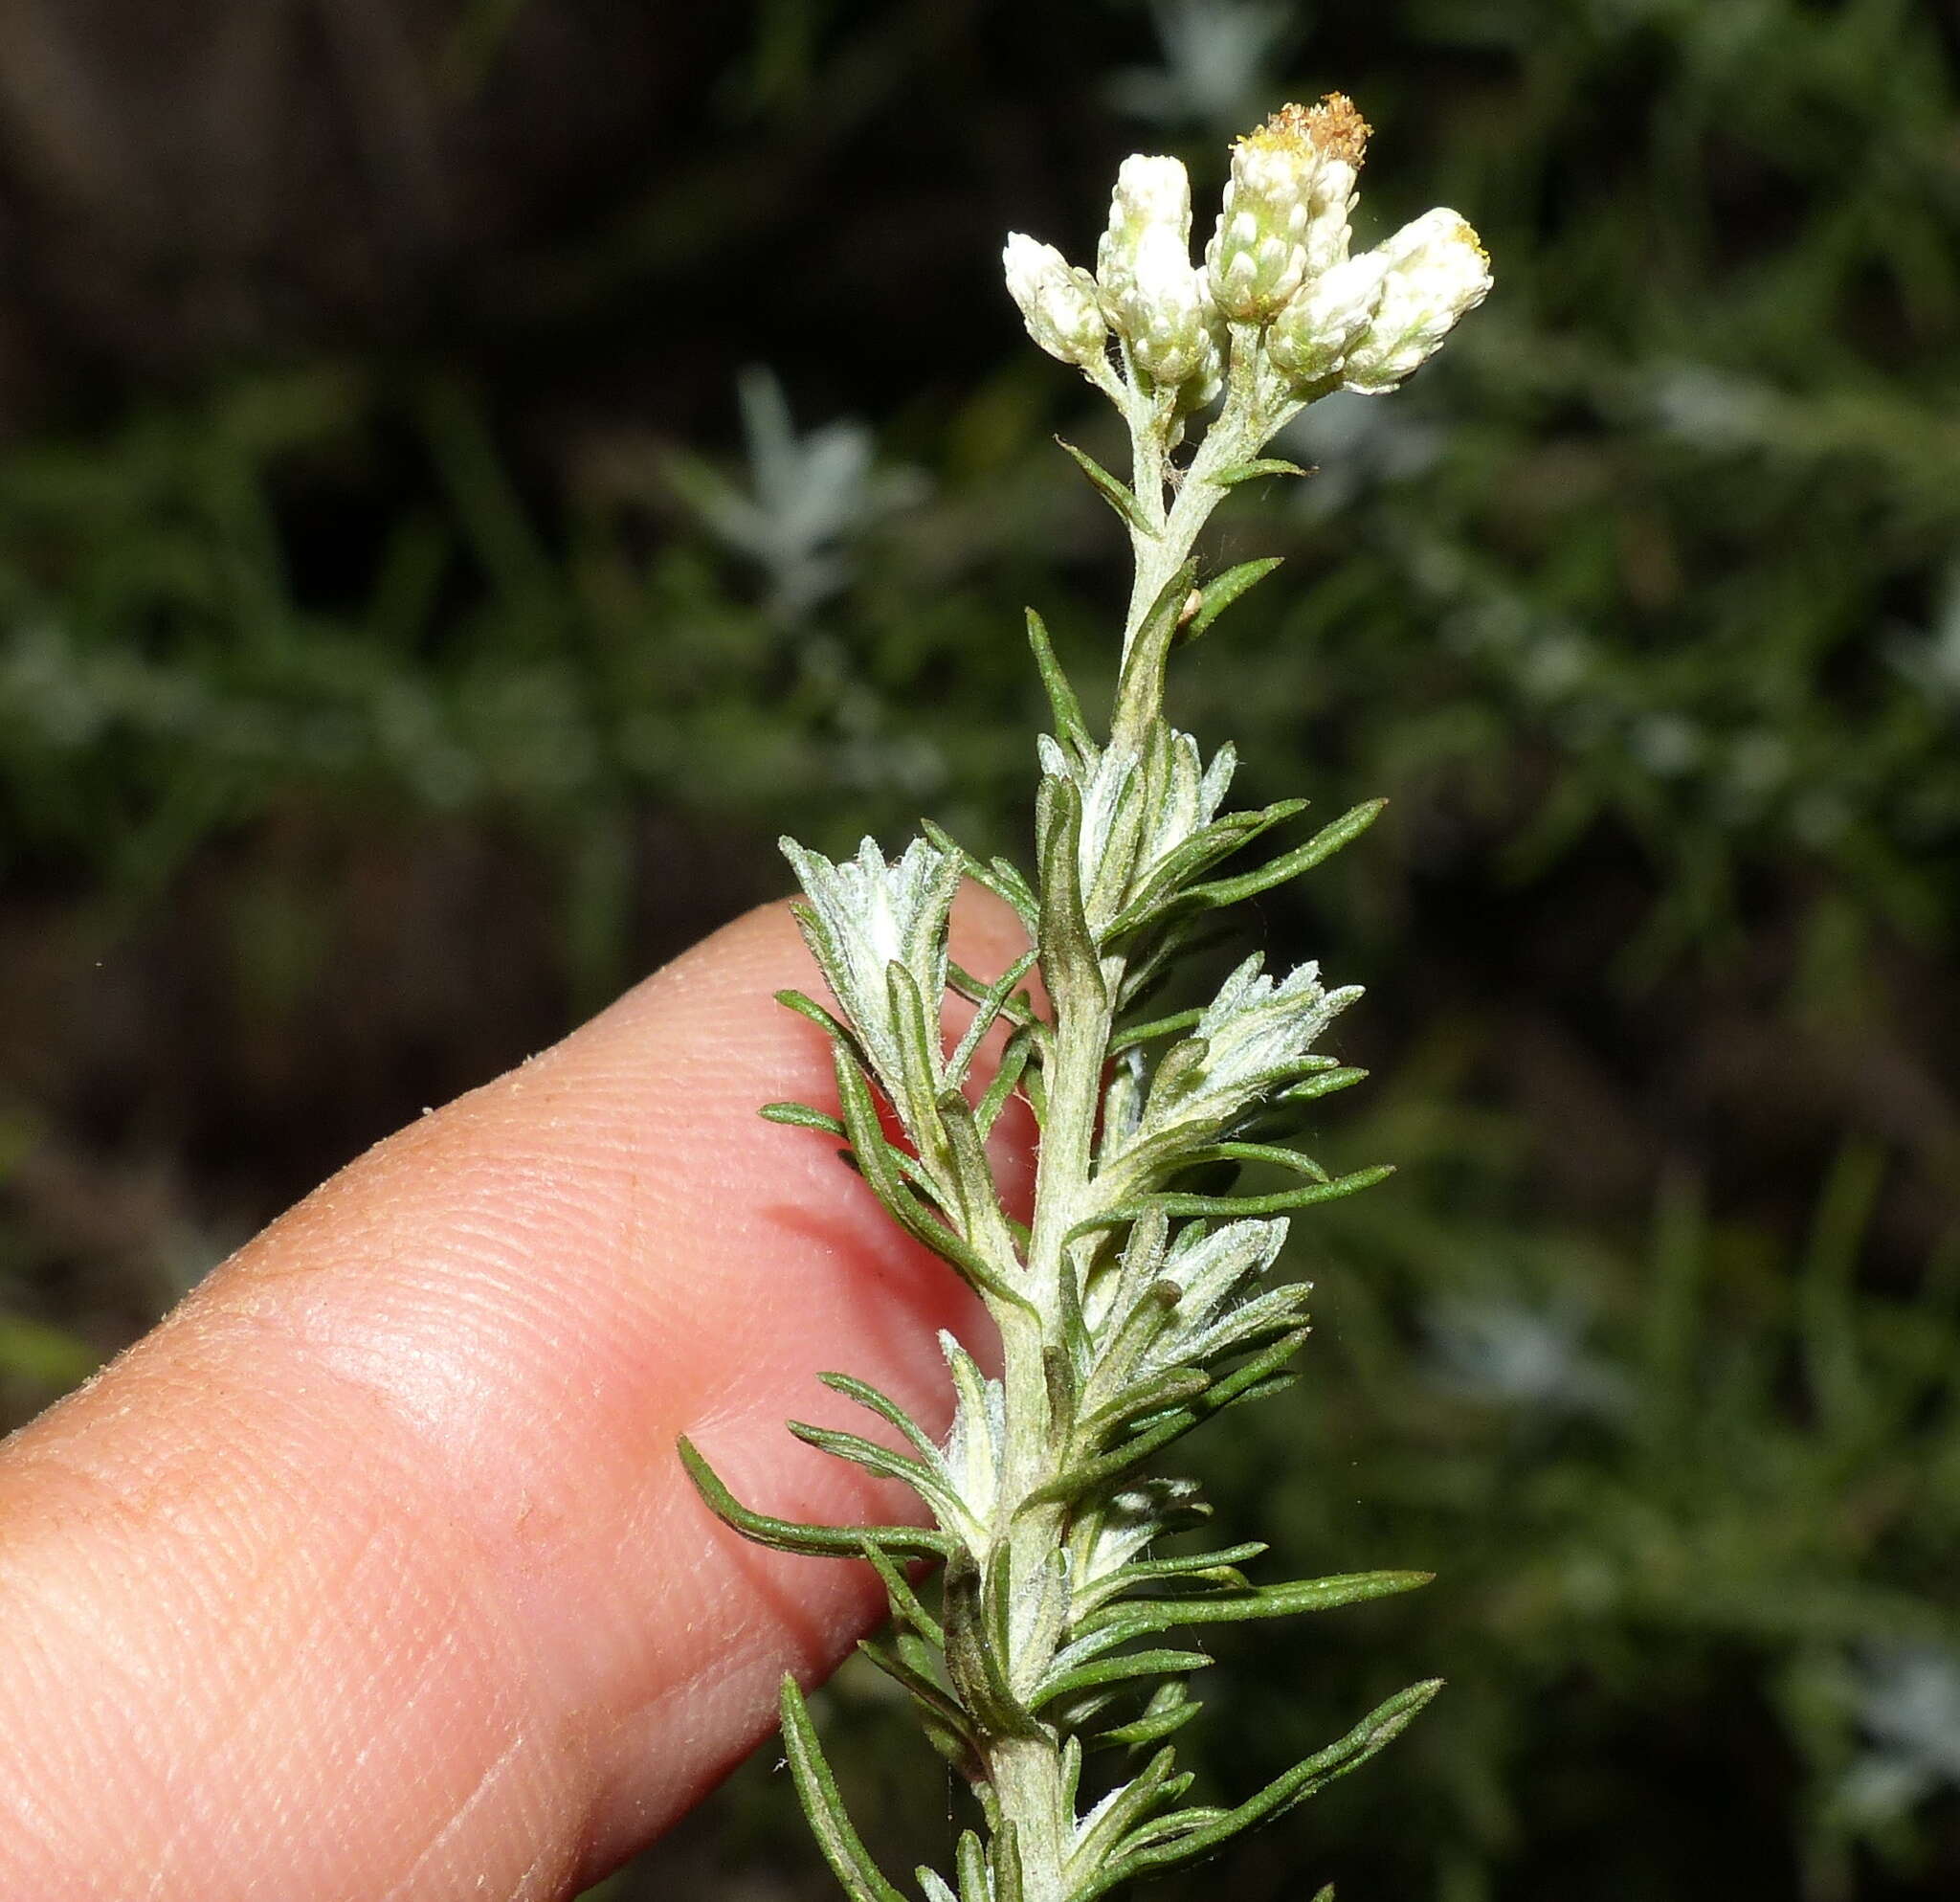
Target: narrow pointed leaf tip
x=1120, y=496
x=817, y=1788
x=808, y=1540
x=1255, y=471
x=1219, y=594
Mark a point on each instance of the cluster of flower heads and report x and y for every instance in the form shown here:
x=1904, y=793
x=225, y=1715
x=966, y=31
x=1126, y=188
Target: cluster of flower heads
x=1277, y=261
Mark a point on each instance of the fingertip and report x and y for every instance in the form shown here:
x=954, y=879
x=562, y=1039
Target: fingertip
x=539, y=1303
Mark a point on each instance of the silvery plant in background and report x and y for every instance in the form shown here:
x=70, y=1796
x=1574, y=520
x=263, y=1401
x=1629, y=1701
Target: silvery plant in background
x=809, y=498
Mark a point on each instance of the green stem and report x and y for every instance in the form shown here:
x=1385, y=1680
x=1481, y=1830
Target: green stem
x=1025, y=1769
x=1235, y=435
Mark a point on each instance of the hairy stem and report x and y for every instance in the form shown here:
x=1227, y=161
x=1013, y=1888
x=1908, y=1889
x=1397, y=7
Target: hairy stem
x=1027, y=1771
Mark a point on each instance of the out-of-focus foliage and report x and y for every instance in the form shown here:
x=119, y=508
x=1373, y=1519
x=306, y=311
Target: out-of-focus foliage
x=321, y=645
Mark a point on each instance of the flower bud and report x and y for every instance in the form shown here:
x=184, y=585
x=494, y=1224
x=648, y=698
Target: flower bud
x=1436, y=271
x=1056, y=300
x=1162, y=311
x=1327, y=317
x=1285, y=206
x=1151, y=194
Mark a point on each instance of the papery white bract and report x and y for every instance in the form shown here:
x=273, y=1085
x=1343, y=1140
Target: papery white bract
x=1057, y=303
x=1152, y=292
x=1163, y=313
x=1327, y=317
x=1436, y=271
x=1151, y=194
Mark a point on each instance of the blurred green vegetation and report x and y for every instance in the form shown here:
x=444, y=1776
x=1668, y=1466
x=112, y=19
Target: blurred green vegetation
x=384, y=682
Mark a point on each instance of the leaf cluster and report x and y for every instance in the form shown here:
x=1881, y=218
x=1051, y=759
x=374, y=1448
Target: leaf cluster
x=1156, y=1317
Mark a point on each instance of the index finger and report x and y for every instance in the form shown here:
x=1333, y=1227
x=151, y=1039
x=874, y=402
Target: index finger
x=373, y=1571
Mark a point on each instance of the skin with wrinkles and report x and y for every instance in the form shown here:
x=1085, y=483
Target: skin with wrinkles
x=372, y=1571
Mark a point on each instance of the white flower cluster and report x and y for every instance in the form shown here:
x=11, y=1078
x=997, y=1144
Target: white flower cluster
x=1428, y=275
x=1286, y=206
x=1277, y=261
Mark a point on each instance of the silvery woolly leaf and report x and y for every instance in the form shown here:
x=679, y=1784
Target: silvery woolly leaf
x=867, y=915
x=1135, y=814
x=1251, y=1034
x=975, y=1445
x=1211, y=1271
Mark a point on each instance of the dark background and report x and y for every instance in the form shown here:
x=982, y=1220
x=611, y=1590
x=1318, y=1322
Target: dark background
x=396, y=660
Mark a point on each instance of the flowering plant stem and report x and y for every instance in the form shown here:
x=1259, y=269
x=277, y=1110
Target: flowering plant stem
x=1135, y=1304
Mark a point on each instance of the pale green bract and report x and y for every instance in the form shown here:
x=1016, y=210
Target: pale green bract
x=1137, y=1302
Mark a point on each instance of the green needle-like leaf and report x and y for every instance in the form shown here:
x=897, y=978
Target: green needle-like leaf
x=908, y=1609
x=1136, y=1618
x=884, y=1464
x=1004, y=1858
x=1153, y=1786
x=1070, y=728
x=813, y=1541
x=1375, y=1733
x=1014, y=1060
x=886, y=1408
x=1252, y=471
x=842, y=1848
x=1068, y=946
x=868, y=1145
x=1115, y=1670
x=1139, y=685
x=1162, y=1717
x=991, y=1007
x=971, y=1862
x=1220, y=592
x=1118, y=495
x=1322, y=846
x=809, y=1007
x=1323, y=1085
x=1233, y=1206
x=801, y=1116
x=935, y=1702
